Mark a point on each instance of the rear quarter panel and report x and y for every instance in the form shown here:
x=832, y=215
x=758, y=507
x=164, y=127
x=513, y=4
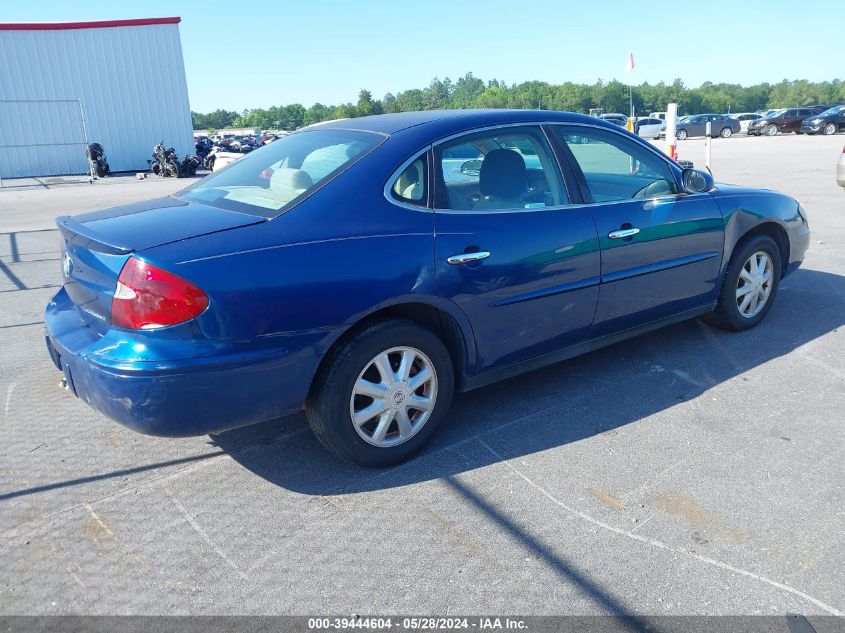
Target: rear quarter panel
x=320, y=265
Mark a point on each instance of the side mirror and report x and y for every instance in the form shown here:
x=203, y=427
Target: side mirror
x=471, y=167
x=696, y=181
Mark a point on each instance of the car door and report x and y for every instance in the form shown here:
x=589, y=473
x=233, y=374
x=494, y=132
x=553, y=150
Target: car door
x=661, y=248
x=511, y=251
x=693, y=126
x=791, y=121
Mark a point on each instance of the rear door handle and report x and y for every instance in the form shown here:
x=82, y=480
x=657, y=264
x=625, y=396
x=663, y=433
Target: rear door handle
x=466, y=258
x=623, y=233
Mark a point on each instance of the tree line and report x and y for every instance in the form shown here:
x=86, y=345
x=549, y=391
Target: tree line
x=472, y=92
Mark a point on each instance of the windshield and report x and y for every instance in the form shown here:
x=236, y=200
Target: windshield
x=270, y=180
x=833, y=111
x=775, y=113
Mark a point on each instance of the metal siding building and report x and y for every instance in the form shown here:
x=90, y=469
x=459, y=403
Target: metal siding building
x=128, y=75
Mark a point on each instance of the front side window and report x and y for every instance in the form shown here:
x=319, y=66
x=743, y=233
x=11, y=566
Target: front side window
x=504, y=169
x=272, y=179
x=614, y=166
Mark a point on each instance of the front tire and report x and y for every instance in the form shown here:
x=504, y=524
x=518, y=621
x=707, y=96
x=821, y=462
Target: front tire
x=771, y=129
x=383, y=394
x=681, y=135
x=750, y=285
x=829, y=129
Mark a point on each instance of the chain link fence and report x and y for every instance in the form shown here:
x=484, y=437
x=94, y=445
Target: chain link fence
x=42, y=140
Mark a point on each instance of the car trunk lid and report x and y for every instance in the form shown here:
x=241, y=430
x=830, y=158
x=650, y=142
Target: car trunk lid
x=95, y=246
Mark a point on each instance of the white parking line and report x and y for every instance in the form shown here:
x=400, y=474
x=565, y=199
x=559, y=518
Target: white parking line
x=656, y=543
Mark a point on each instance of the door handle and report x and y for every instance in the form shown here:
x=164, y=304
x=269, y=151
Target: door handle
x=623, y=233
x=467, y=258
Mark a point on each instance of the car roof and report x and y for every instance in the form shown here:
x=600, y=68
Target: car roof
x=454, y=120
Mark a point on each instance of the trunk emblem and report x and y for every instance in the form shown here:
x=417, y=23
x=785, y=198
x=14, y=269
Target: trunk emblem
x=67, y=265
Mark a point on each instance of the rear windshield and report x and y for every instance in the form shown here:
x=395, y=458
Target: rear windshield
x=270, y=180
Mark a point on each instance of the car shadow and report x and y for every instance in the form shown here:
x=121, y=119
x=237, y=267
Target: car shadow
x=585, y=396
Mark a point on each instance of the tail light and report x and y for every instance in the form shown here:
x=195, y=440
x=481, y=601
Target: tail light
x=148, y=297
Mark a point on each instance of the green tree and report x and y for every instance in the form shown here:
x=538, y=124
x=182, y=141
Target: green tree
x=466, y=91
x=410, y=100
x=366, y=106
x=344, y=111
x=389, y=103
x=318, y=112
x=472, y=92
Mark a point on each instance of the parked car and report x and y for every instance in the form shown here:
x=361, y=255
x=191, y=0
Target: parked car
x=650, y=127
x=696, y=125
x=840, y=169
x=219, y=157
x=332, y=284
x=786, y=120
x=828, y=122
x=617, y=119
x=745, y=119
x=658, y=115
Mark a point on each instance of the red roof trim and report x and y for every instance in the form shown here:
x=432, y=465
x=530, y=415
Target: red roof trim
x=102, y=24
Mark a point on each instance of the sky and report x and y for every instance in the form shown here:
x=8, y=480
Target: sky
x=255, y=53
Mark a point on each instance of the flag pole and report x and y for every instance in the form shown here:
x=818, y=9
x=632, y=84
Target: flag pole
x=629, y=69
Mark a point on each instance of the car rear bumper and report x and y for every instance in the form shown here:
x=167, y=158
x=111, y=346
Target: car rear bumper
x=230, y=388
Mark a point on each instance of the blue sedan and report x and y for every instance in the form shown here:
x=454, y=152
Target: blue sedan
x=367, y=269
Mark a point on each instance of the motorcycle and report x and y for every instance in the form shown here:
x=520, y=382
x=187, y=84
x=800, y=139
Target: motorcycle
x=210, y=158
x=99, y=167
x=202, y=148
x=165, y=163
x=188, y=167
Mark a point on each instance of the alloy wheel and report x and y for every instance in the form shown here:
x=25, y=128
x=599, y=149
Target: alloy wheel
x=754, y=284
x=771, y=129
x=726, y=132
x=829, y=129
x=393, y=397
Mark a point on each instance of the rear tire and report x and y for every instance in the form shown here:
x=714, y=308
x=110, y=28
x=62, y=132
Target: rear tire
x=743, y=281
x=372, y=359
x=726, y=132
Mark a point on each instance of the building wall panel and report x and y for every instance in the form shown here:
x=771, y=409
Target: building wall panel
x=130, y=79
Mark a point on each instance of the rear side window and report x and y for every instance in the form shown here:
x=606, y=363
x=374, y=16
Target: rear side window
x=504, y=169
x=614, y=166
x=271, y=180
